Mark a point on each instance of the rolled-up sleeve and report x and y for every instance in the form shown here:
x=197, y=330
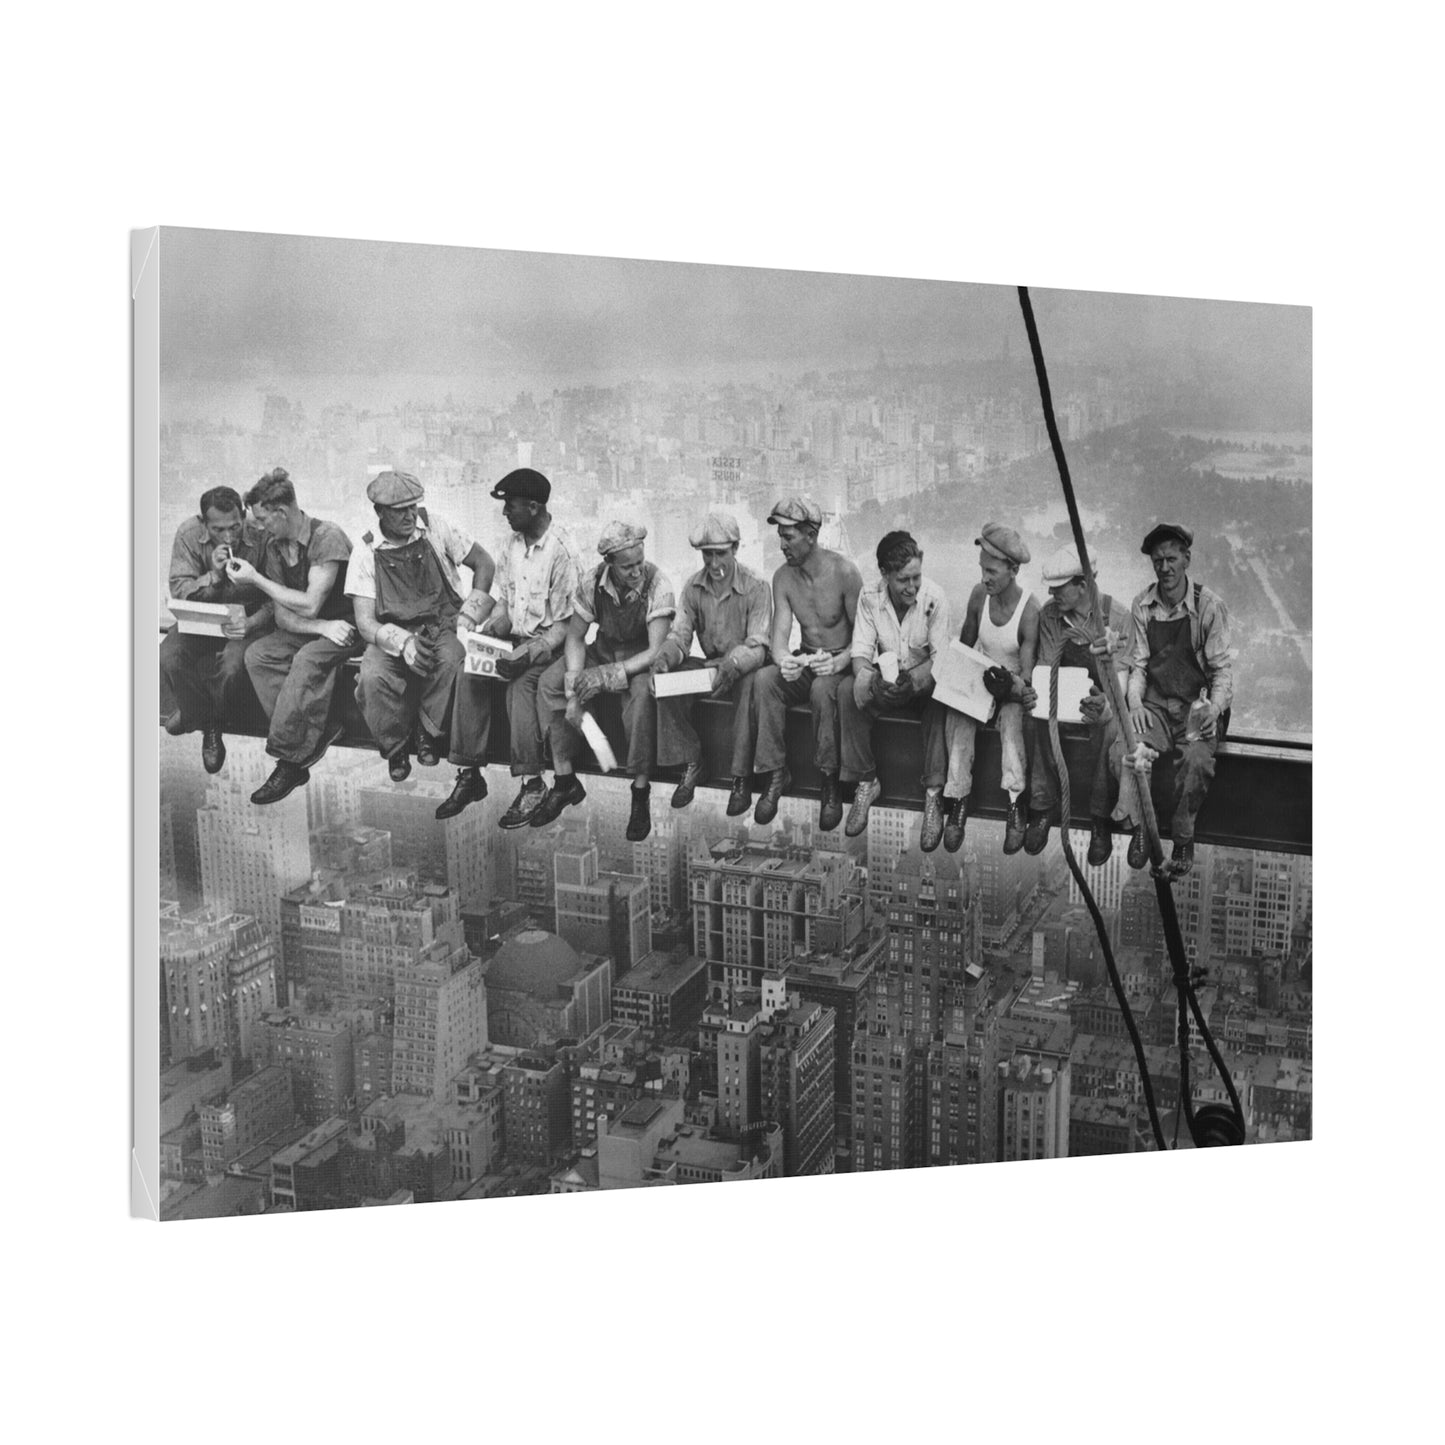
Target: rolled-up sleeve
x=661, y=601
x=189, y=574
x=1218, y=653
x=865, y=629
x=361, y=572
x=754, y=647
x=584, y=599
x=1138, y=657
x=684, y=624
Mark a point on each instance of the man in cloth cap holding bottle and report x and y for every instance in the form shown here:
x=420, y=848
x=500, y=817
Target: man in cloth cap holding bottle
x=729, y=610
x=1181, y=682
x=820, y=589
x=631, y=601
x=537, y=574
x=1002, y=622
x=410, y=605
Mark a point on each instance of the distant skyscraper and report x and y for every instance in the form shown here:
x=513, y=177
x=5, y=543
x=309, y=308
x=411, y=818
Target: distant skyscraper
x=250, y=856
x=597, y=912
x=218, y=977
x=441, y=1019
x=456, y=852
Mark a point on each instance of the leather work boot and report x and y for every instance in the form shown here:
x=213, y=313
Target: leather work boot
x=528, y=799
x=398, y=766
x=830, y=805
x=426, y=748
x=1181, y=860
x=863, y=799
x=284, y=780
x=1101, y=841
x=740, y=798
x=565, y=792
x=767, y=808
x=932, y=819
x=213, y=748
x=1018, y=821
x=1036, y=835
x=471, y=787
x=954, y=824
x=639, y=823
x=1138, y=855
x=682, y=793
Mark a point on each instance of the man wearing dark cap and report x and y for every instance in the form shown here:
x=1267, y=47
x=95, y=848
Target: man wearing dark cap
x=1065, y=639
x=207, y=675
x=1181, y=682
x=631, y=601
x=410, y=602
x=1001, y=621
x=729, y=610
x=294, y=667
x=537, y=575
x=820, y=589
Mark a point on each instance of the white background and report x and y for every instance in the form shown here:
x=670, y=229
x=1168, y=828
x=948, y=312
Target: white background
x=1256, y=153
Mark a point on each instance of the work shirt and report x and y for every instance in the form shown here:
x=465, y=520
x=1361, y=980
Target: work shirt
x=451, y=545
x=1208, y=634
x=317, y=542
x=657, y=589
x=1057, y=640
x=190, y=575
x=735, y=624
x=536, y=583
x=919, y=637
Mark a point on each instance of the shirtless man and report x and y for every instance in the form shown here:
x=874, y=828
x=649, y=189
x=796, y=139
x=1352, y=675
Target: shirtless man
x=820, y=588
x=1002, y=621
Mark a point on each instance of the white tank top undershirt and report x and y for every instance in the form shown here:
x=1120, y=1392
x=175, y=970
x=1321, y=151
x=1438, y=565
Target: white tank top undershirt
x=1002, y=643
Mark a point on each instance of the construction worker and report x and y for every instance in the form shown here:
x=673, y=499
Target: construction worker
x=294, y=667
x=1181, y=682
x=407, y=590
x=207, y=675
x=903, y=620
x=820, y=589
x=1064, y=622
x=729, y=609
x=1002, y=622
x=536, y=579
x=631, y=601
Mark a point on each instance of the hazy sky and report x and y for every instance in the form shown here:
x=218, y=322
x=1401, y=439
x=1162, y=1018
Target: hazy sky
x=240, y=309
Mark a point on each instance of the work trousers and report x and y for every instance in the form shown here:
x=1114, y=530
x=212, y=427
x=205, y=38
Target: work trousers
x=206, y=676
x=639, y=717
x=1044, y=777
x=856, y=724
x=958, y=732
x=294, y=675
x=472, y=718
x=393, y=698
x=1194, y=770
x=677, y=739
x=772, y=697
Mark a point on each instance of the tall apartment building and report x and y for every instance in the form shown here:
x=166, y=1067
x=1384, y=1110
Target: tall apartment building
x=218, y=977
x=457, y=852
x=661, y=858
x=600, y=912
x=318, y=1052
x=796, y=1072
x=249, y=1113
x=441, y=1019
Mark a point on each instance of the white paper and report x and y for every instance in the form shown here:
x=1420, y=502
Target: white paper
x=597, y=741
x=679, y=684
x=1074, y=685
x=958, y=680
x=483, y=650
x=205, y=619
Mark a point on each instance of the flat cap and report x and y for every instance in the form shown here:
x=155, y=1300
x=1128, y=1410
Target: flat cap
x=1003, y=542
x=717, y=529
x=795, y=511
x=619, y=536
x=1167, y=532
x=394, y=489
x=1063, y=567
x=525, y=483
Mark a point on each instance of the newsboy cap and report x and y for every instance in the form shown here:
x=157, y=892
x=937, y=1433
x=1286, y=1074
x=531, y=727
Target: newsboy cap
x=394, y=489
x=1003, y=542
x=1167, y=532
x=619, y=536
x=525, y=483
x=795, y=511
x=1063, y=567
x=717, y=529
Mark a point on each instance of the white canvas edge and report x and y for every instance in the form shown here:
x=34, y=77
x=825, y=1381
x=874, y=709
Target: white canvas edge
x=145, y=674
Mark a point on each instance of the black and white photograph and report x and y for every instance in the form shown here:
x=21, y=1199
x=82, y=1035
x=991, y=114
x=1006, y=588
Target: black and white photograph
x=634, y=723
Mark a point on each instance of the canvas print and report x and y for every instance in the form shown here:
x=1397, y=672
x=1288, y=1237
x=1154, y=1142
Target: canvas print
x=630, y=723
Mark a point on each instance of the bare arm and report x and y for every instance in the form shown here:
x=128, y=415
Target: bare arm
x=782, y=617
x=656, y=636
x=574, y=647
x=319, y=579
x=969, y=635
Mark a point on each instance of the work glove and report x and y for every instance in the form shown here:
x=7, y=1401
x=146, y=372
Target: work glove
x=661, y=663
x=1000, y=683
x=1095, y=707
x=725, y=676
x=514, y=665
x=614, y=677
x=589, y=684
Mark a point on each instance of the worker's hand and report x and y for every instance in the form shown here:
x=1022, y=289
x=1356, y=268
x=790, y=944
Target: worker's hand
x=514, y=664
x=824, y=664
x=589, y=684
x=725, y=676
x=1139, y=716
x=234, y=629
x=573, y=712
x=1208, y=723
x=1028, y=698
x=1095, y=707
x=240, y=571
x=219, y=557
x=790, y=667
x=342, y=634
x=1103, y=646
x=661, y=663
x=1000, y=683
